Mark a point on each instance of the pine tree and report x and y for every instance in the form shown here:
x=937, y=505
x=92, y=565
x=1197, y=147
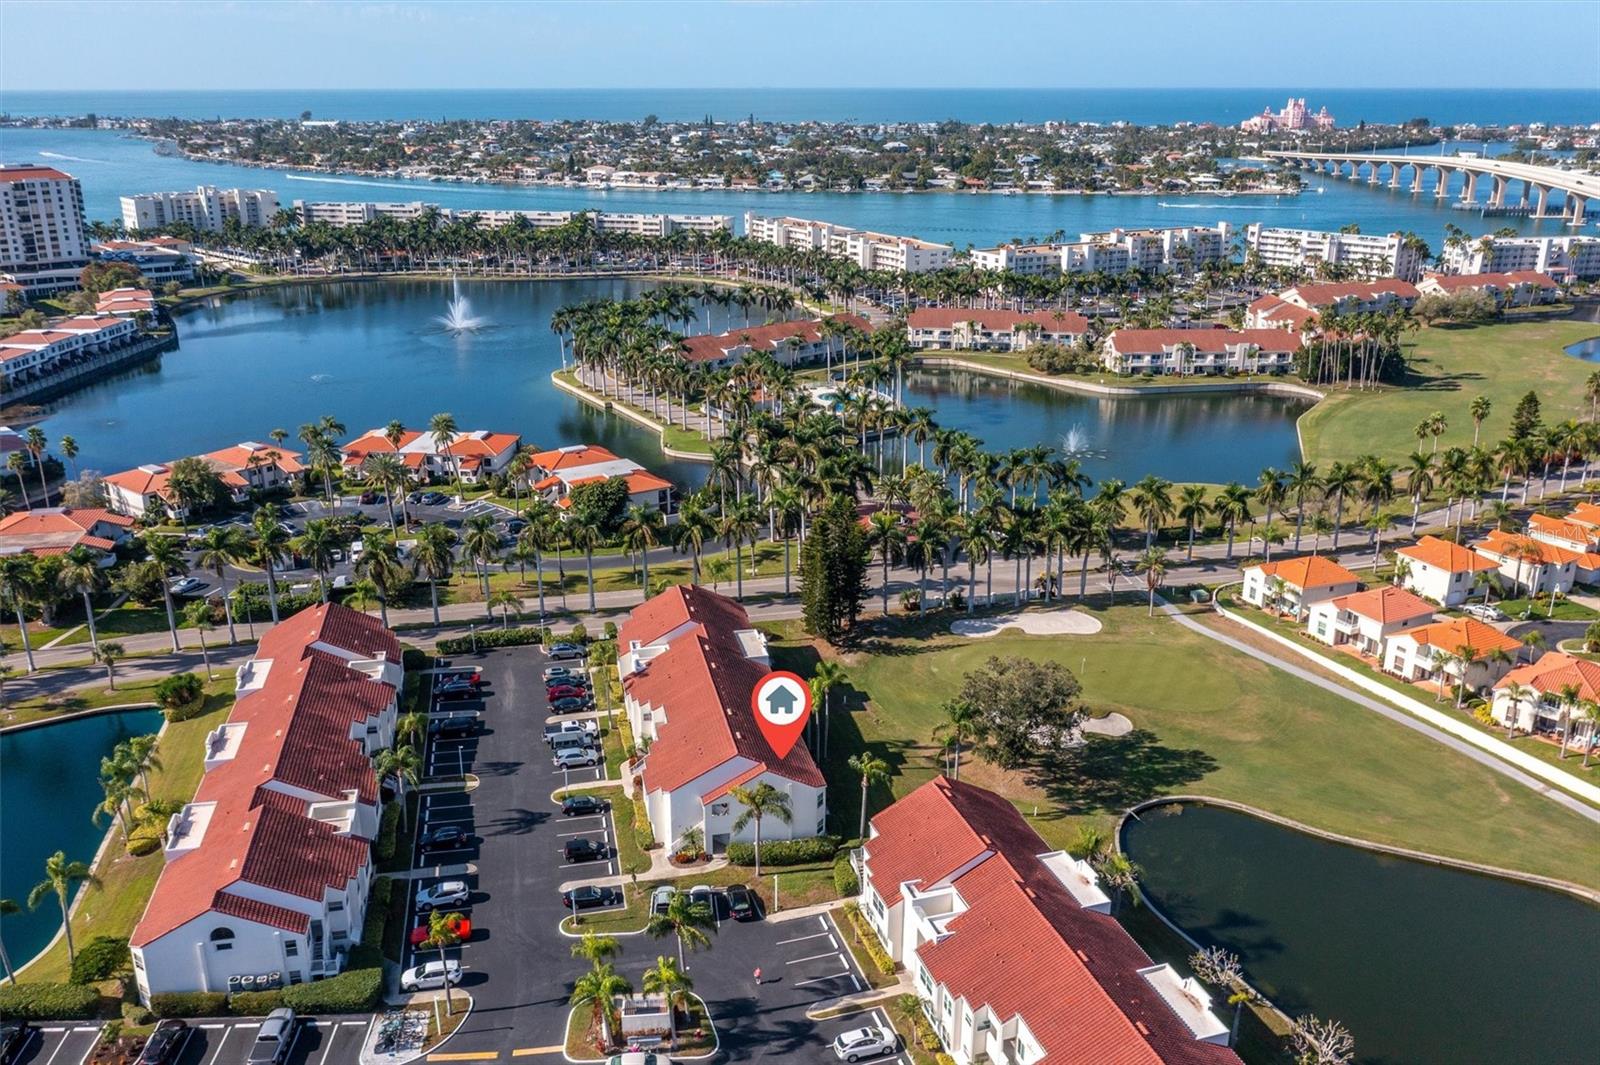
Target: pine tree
x=833, y=581
x=1525, y=420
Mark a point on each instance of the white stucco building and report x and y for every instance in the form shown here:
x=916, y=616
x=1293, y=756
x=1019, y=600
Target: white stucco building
x=1185, y=352
x=689, y=659
x=1446, y=573
x=868, y=250
x=1294, y=585
x=268, y=868
x=44, y=244
x=1369, y=254
x=1570, y=257
x=1366, y=621
x=981, y=329
x=207, y=208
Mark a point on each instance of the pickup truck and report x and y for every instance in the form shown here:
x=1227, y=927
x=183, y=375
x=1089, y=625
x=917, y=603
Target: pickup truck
x=274, y=1039
x=588, y=728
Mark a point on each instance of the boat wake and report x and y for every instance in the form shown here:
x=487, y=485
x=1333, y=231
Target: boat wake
x=74, y=158
x=375, y=183
x=1233, y=205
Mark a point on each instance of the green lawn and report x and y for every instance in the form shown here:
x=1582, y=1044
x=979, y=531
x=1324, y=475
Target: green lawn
x=94, y=697
x=673, y=436
x=1018, y=363
x=1451, y=365
x=1566, y=609
x=113, y=906
x=1207, y=721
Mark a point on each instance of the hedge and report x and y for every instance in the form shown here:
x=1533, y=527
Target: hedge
x=181, y=697
x=388, y=832
x=413, y=659
x=844, y=877
x=144, y=840
x=460, y=645
x=48, y=1002
x=782, y=852
x=368, y=954
x=100, y=959
x=869, y=939
x=189, y=1004
x=352, y=991
x=255, y=1003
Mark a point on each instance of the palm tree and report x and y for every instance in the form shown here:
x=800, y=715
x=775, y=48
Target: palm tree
x=741, y=523
x=640, y=531
x=164, y=552
x=442, y=427
x=690, y=921
x=585, y=538
x=220, y=548
x=1231, y=506
x=317, y=545
x=60, y=878
x=760, y=802
x=507, y=602
x=197, y=616
x=598, y=989
x=403, y=764
x=269, y=545
x=1192, y=510
x=435, y=557
x=1153, y=564
x=18, y=577
x=885, y=533
x=668, y=980
x=1119, y=874
x=108, y=654
x=1479, y=408
x=8, y=908
x=444, y=932
x=960, y=724
x=80, y=572
x=1302, y=480
x=596, y=948
x=872, y=770
x=827, y=676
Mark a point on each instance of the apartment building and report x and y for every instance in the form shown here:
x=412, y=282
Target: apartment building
x=156, y=263
x=43, y=243
x=1352, y=297
x=868, y=250
x=57, y=530
x=474, y=454
x=1369, y=254
x=1523, y=288
x=1539, y=697
x=1181, y=352
x=267, y=870
x=556, y=473
x=1294, y=585
x=1115, y=251
x=1575, y=258
x=689, y=660
x=791, y=343
x=242, y=468
x=1366, y=621
x=207, y=208
x=978, y=329
x=35, y=354
x=354, y=213
x=1443, y=571
x=1536, y=567
x=1011, y=947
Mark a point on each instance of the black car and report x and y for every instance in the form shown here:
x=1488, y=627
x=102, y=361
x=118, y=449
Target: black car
x=563, y=651
x=742, y=903
x=578, y=805
x=567, y=680
x=434, y=499
x=571, y=704
x=165, y=1043
x=367, y=498
x=584, y=850
x=453, y=725
x=445, y=837
x=583, y=898
x=14, y=1039
x=457, y=686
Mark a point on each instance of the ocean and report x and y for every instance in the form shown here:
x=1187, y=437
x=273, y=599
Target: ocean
x=1139, y=106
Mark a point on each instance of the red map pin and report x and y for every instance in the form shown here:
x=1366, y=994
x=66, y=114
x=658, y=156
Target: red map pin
x=782, y=704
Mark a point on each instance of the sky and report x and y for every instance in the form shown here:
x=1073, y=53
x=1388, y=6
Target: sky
x=326, y=44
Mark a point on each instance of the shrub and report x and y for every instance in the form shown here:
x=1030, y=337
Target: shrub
x=844, y=877
x=608, y=631
x=388, y=832
x=146, y=839
x=413, y=659
x=352, y=991
x=181, y=696
x=135, y=1014
x=869, y=940
x=255, y=1003
x=189, y=1004
x=518, y=637
x=780, y=852
x=100, y=959
x=47, y=1002
x=368, y=954
x=578, y=635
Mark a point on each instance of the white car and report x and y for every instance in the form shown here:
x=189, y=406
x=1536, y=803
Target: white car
x=431, y=977
x=862, y=1043
x=186, y=585
x=577, y=758
x=444, y=893
x=1483, y=612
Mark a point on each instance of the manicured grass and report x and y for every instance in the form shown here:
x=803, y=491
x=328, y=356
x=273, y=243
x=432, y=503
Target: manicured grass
x=1208, y=721
x=113, y=906
x=672, y=435
x=1449, y=366
x=1018, y=363
x=91, y=698
x=1566, y=609
x=798, y=885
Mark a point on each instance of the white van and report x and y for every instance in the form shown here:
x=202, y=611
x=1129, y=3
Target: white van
x=571, y=741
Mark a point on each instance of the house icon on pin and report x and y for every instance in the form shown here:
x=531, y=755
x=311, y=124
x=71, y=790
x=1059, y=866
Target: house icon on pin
x=781, y=701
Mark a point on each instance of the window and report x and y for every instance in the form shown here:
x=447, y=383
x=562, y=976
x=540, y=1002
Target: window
x=335, y=906
x=222, y=939
x=822, y=799
x=291, y=948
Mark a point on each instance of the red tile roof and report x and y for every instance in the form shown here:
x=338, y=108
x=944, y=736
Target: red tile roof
x=1024, y=946
x=703, y=680
x=260, y=912
x=1309, y=571
x=1453, y=633
x=1442, y=554
x=1555, y=671
x=763, y=337
x=1451, y=282
x=1499, y=544
x=32, y=173
x=996, y=320
x=55, y=530
x=1326, y=294
x=1562, y=528
x=1386, y=604
x=568, y=457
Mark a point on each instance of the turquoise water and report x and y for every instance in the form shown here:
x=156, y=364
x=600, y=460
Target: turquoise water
x=1139, y=106
x=111, y=165
x=1587, y=350
x=49, y=788
x=1425, y=965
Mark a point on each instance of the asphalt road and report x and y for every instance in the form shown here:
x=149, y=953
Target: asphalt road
x=211, y=1041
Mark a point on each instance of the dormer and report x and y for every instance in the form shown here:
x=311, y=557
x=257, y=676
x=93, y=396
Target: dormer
x=1079, y=878
x=252, y=675
x=380, y=669
x=222, y=743
x=340, y=813
x=186, y=829
x=1189, y=1000
x=753, y=642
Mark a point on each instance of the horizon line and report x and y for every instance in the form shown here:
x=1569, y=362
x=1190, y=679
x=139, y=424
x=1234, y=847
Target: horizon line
x=839, y=88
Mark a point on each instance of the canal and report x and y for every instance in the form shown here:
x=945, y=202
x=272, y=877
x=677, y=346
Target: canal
x=1425, y=964
x=48, y=793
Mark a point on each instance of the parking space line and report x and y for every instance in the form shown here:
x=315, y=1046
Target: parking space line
x=56, y=1051
x=821, y=979
x=217, y=1054
x=814, y=957
x=801, y=939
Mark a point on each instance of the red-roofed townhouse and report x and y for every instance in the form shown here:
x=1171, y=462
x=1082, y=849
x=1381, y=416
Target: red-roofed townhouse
x=267, y=870
x=689, y=659
x=790, y=343
x=976, y=329
x=1521, y=288
x=243, y=468
x=1445, y=572
x=1572, y=534
x=1182, y=352
x=1367, y=620
x=1530, y=698
x=1354, y=297
x=1533, y=565
x=57, y=530
x=557, y=472
x=1294, y=585
x=477, y=454
x=1011, y=946
x=1452, y=651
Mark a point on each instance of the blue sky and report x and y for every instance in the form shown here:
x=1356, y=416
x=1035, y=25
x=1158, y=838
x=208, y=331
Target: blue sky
x=159, y=44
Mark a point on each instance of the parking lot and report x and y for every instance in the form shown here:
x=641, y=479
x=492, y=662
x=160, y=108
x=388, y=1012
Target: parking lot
x=331, y=1041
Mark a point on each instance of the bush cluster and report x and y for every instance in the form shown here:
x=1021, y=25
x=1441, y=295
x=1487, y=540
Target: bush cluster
x=146, y=839
x=844, y=877
x=255, y=1003
x=869, y=939
x=782, y=852
x=368, y=954
x=518, y=637
x=189, y=1004
x=352, y=991
x=47, y=1002
x=181, y=696
x=388, y=832
x=413, y=659
x=100, y=959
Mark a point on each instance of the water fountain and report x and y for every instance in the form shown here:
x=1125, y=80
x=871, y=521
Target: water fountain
x=1075, y=444
x=459, y=317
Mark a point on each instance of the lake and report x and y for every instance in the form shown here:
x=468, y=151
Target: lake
x=48, y=793
x=1587, y=350
x=1426, y=965
x=370, y=352
x=1213, y=438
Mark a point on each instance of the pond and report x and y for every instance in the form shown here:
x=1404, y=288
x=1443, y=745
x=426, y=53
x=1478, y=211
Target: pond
x=1587, y=350
x=1215, y=437
x=49, y=788
x=1426, y=965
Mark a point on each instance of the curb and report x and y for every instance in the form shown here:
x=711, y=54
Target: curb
x=716, y=1040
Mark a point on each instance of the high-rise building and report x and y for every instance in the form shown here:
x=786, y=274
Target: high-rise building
x=43, y=246
x=1573, y=257
x=1369, y=255
x=207, y=208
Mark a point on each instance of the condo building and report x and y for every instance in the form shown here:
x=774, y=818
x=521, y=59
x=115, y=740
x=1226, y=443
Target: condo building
x=1368, y=254
x=1117, y=251
x=868, y=250
x=43, y=244
x=207, y=208
x=1183, y=352
x=353, y=213
x=1575, y=258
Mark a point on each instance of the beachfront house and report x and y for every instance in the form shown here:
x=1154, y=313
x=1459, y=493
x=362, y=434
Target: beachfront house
x=1010, y=946
x=1366, y=621
x=1446, y=573
x=1293, y=585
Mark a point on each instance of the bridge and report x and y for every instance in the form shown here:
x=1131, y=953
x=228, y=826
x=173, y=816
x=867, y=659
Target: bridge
x=1546, y=191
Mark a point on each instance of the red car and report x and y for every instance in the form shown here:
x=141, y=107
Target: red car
x=419, y=934
x=565, y=691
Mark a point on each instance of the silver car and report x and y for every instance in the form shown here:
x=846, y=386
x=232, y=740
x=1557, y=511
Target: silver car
x=860, y=1043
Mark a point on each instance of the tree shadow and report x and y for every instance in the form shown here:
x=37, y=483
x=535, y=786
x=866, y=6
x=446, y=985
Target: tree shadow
x=1108, y=775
